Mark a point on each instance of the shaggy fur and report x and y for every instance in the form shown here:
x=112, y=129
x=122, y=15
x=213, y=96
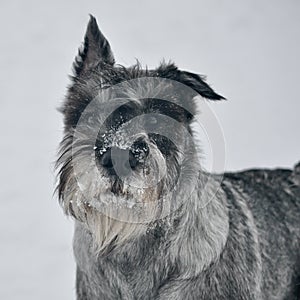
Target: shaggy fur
x=238, y=240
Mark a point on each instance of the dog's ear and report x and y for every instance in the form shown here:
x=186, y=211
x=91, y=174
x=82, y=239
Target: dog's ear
x=95, y=49
x=194, y=81
x=198, y=84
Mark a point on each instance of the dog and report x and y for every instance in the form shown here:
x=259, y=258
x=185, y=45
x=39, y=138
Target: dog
x=150, y=223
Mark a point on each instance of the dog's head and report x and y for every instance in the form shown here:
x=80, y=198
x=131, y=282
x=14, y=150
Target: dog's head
x=128, y=154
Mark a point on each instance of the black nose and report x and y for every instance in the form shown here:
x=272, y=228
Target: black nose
x=121, y=161
x=106, y=160
x=115, y=161
x=118, y=161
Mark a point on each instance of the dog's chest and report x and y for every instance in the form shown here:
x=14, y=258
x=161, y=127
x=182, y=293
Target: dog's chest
x=140, y=275
x=137, y=273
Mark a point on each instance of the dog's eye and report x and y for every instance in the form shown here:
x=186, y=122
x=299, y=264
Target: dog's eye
x=121, y=115
x=165, y=145
x=123, y=110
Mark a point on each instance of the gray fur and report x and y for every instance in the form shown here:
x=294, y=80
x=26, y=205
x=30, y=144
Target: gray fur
x=238, y=240
x=243, y=245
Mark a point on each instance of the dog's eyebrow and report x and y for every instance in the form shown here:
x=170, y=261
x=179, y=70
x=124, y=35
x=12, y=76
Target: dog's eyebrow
x=132, y=104
x=167, y=108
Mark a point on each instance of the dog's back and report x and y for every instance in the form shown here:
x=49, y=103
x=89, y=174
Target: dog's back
x=273, y=199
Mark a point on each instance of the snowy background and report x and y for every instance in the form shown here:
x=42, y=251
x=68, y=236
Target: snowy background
x=249, y=50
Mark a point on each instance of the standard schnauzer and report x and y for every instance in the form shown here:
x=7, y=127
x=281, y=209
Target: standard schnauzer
x=150, y=223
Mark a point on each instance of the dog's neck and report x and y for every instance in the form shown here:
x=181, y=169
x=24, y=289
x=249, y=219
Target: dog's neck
x=192, y=241
x=204, y=229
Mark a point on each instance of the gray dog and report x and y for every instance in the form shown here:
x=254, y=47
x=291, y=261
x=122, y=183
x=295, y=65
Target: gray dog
x=149, y=222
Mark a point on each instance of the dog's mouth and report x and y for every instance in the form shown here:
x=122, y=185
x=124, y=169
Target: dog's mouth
x=135, y=194
x=117, y=187
x=132, y=191
x=122, y=201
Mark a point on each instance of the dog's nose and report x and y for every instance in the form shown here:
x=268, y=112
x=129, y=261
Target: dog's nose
x=106, y=160
x=121, y=161
x=115, y=160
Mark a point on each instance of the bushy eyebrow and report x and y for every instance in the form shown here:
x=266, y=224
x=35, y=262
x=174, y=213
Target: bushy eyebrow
x=167, y=108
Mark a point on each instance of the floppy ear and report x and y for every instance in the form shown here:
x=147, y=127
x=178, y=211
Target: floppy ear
x=95, y=49
x=194, y=81
x=197, y=83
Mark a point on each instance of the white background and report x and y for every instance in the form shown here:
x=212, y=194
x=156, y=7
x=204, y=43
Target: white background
x=249, y=50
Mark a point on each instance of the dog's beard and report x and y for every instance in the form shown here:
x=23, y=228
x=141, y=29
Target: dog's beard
x=116, y=210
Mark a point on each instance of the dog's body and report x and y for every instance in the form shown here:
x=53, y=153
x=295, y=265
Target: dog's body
x=238, y=240
x=260, y=259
